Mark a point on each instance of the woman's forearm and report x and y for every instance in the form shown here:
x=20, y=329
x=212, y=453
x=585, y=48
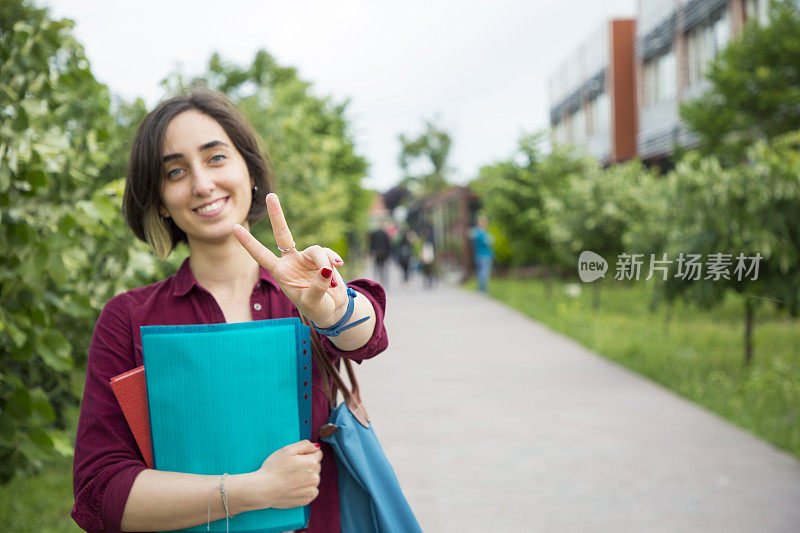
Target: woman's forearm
x=161, y=501
x=357, y=336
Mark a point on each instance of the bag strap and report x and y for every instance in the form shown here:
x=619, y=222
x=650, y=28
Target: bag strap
x=352, y=397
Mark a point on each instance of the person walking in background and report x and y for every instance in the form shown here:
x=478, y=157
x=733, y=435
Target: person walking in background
x=427, y=258
x=403, y=253
x=379, y=248
x=483, y=252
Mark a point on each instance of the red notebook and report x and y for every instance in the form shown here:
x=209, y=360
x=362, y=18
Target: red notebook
x=131, y=392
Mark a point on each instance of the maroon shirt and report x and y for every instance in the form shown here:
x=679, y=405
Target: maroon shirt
x=107, y=459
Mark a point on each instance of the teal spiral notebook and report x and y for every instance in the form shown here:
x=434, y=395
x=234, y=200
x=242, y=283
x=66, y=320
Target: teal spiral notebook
x=223, y=397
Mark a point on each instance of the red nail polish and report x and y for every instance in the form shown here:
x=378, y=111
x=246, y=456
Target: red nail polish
x=318, y=445
x=339, y=261
x=326, y=272
x=333, y=282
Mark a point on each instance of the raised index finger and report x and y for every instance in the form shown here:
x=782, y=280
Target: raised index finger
x=260, y=253
x=283, y=237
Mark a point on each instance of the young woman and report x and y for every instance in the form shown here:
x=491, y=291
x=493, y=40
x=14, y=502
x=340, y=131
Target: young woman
x=197, y=175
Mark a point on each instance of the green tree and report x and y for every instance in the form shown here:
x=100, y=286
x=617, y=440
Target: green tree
x=755, y=87
x=423, y=160
x=515, y=193
x=64, y=248
x=753, y=209
x=597, y=211
x=62, y=153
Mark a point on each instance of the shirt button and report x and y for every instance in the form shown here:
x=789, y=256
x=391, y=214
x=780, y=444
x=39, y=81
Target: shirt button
x=257, y=307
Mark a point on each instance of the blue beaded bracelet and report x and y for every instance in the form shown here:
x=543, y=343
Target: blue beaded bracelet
x=339, y=327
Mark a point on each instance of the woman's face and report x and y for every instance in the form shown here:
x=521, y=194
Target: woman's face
x=206, y=186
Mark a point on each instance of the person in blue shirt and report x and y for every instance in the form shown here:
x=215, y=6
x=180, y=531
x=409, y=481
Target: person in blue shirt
x=483, y=251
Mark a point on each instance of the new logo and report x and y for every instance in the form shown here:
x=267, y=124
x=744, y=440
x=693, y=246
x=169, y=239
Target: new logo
x=591, y=266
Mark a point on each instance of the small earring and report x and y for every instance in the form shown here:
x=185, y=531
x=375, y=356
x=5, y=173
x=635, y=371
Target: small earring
x=255, y=189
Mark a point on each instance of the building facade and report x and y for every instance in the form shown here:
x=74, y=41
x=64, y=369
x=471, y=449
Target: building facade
x=676, y=41
x=592, y=95
x=619, y=95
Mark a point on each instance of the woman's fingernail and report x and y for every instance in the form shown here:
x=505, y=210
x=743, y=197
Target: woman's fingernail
x=326, y=272
x=339, y=261
x=333, y=282
x=318, y=445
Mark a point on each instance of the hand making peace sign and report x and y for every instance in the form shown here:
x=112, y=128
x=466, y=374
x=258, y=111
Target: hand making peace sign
x=308, y=278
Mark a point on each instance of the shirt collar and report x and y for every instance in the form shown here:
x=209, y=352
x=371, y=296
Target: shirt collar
x=185, y=280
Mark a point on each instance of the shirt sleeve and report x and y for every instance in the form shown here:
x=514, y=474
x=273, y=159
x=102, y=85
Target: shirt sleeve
x=107, y=458
x=379, y=340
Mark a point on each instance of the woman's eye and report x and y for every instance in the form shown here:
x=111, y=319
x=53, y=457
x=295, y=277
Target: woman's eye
x=172, y=174
x=215, y=160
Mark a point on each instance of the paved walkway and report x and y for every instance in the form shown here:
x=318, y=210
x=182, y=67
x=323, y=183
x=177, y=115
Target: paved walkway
x=496, y=424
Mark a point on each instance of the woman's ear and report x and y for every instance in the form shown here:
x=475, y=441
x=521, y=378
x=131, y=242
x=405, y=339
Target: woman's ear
x=163, y=211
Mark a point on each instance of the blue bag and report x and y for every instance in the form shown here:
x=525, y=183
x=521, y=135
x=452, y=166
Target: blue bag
x=370, y=497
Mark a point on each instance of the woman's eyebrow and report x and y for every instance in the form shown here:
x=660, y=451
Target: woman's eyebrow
x=206, y=146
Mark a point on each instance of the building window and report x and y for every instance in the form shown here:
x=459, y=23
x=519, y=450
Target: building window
x=559, y=133
x=703, y=43
x=569, y=135
x=659, y=79
x=579, y=127
x=598, y=114
x=756, y=10
x=563, y=132
x=604, y=112
x=556, y=131
x=591, y=117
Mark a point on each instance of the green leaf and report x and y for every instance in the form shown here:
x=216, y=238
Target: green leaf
x=41, y=438
x=5, y=178
x=33, y=453
x=21, y=121
x=62, y=445
x=108, y=212
x=76, y=305
x=38, y=316
x=55, y=351
x=37, y=179
x=41, y=404
x=23, y=353
x=7, y=429
x=19, y=405
x=66, y=223
x=18, y=336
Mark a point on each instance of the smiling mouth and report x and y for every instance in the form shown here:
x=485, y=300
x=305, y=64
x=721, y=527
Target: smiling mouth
x=213, y=206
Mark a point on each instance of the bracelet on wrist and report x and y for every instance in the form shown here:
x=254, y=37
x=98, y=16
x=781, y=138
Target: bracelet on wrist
x=342, y=325
x=228, y=514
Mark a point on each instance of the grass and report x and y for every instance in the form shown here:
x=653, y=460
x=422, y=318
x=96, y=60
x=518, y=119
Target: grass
x=40, y=503
x=699, y=354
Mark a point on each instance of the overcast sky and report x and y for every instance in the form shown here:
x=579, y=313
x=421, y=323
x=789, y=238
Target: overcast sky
x=481, y=68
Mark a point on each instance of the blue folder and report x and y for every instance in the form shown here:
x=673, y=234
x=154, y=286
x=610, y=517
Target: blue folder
x=223, y=397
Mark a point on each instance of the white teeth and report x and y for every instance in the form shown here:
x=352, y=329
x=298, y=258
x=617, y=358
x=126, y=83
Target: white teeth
x=211, y=207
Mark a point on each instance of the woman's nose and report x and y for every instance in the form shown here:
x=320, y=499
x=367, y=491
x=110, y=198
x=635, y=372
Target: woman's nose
x=203, y=183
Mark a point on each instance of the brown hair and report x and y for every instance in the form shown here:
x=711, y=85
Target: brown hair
x=146, y=170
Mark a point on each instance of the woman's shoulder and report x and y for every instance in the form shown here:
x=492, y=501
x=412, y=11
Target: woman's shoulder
x=137, y=297
x=122, y=315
